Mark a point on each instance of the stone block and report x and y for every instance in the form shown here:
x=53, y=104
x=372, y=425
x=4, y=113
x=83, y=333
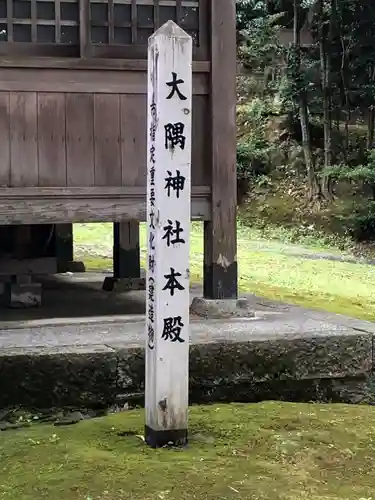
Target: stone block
x=23, y=295
x=302, y=367
x=79, y=376
x=221, y=309
x=130, y=373
x=331, y=368
x=112, y=284
x=280, y=358
x=71, y=267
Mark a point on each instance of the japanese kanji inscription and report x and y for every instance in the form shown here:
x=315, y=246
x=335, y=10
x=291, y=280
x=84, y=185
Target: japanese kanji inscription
x=168, y=227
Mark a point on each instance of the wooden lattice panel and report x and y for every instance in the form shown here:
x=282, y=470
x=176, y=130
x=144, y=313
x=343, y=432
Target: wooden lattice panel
x=131, y=22
x=39, y=21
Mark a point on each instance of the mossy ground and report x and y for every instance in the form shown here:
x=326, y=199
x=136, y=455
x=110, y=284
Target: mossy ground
x=264, y=269
x=266, y=451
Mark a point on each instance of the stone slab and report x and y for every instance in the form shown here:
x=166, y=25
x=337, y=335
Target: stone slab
x=221, y=368
x=224, y=366
x=83, y=332
x=221, y=309
x=111, y=284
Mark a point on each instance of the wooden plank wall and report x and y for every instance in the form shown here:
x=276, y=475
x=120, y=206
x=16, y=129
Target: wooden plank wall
x=78, y=139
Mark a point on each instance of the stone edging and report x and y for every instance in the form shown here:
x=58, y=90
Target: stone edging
x=335, y=368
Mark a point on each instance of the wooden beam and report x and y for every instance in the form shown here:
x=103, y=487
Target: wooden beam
x=14, y=79
x=10, y=267
x=126, y=252
x=220, y=256
x=91, y=204
x=94, y=192
x=88, y=64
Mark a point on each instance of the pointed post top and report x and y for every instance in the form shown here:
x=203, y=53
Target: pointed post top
x=171, y=30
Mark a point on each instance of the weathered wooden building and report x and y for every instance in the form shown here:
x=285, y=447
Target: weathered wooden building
x=73, y=129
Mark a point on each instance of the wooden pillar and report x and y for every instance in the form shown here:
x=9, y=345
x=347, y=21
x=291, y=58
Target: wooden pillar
x=64, y=243
x=22, y=241
x=126, y=253
x=126, y=259
x=64, y=249
x=21, y=291
x=220, y=234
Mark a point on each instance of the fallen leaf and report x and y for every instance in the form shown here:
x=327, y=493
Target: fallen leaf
x=233, y=489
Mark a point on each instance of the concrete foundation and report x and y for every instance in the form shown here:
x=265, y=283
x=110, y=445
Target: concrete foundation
x=84, y=348
x=106, y=369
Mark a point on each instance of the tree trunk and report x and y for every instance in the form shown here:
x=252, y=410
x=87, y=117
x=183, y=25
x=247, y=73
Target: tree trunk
x=346, y=142
x=325, y=69
x=338, y=118
x=313, y=185
x=344, y=87
x=370, y=127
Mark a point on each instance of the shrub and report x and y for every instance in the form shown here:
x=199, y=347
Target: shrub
x=253, y=149
x=360, y=224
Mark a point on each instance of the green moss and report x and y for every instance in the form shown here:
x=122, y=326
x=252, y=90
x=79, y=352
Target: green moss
x=266, y=451
x=354, y=308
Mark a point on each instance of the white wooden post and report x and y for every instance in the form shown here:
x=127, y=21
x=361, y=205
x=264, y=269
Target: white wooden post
x=168, y=222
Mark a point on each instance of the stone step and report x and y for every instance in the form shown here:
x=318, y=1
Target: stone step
x=92, y=365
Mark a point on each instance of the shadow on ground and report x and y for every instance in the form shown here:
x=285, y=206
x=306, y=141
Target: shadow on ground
x=78, y=295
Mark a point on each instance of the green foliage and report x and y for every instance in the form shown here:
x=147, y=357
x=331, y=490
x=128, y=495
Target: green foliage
x=341, y=50
x=298, y=77
x=252, y=161
x=260, y=46
x=247, y=10
x=253, y=150
x=358, y=173
x=360, y=223
x=363, y=173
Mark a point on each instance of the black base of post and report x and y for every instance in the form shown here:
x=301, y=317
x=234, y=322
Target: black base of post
x=220, y=282
x=220, y=277
x=158, y=439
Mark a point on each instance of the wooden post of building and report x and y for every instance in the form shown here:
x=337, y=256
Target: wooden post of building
x=126, y=258
x=220, y=234
x=22, y=292
x=64, y=250
x=126, y=253
x=168, y=231
x=63, y=246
